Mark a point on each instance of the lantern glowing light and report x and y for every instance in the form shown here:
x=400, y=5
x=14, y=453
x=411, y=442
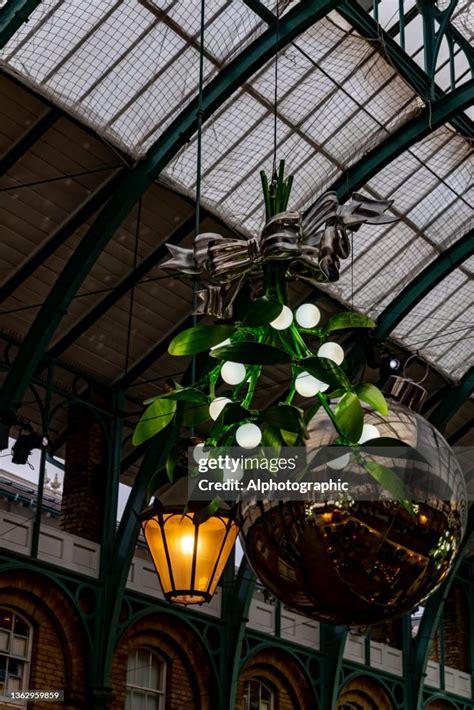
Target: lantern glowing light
x=189, y=555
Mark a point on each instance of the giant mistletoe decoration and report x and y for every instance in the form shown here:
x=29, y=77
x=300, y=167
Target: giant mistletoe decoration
x=269, y=333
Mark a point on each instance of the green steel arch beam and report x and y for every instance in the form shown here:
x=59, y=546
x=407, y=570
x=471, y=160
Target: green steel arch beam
x=236, y=620
x=28, y=139
x=360, y=20
x=439, y=112
x=127, y=283
x=429, y=623
x=405, y=65
x=138, y=180
x=417, y=289
x=61, y=234
x=451, y=402
x=13, y=16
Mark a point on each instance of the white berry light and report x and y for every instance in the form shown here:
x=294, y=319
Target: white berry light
x=332, y=351
x=339, y=463
x=308, y=315
x=307, y=386
x=284, y=320
x=233, y=373
x=248, y=436
x=217, y=405
x=200, y=453
x=369, y=431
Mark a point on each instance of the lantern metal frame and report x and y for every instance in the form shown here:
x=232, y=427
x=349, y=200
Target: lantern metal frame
x=157, y=511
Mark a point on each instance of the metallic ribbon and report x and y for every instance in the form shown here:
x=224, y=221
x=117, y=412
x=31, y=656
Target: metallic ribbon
x=312, y=244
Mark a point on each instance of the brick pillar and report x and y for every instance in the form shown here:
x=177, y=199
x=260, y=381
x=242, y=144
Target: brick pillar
x=434, y=649
x=388, y=632
x=85, y=475
x=456, y=631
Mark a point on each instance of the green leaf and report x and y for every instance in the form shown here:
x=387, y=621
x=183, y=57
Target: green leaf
x=350, y=417
x=386, y=441
x=285, y=416
x=153, y=420
x=329, y=453
x=389, y=480
x=327, y=371
x=271, y=437
x=348, y=320
x=409, y=452
x=171, y=461
x=263, y=311
x=372, y=395
x=252, y=354
x=290, y=437
x=157, y=480
x=187, y=394
x=311, y=411
x=233, y=414
x=199, y=338
x=195, y=414
x=207, y=512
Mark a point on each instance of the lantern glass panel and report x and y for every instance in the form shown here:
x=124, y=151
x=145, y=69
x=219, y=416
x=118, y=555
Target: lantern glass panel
x=178, y=546
x=154, y=538
x=179, y=531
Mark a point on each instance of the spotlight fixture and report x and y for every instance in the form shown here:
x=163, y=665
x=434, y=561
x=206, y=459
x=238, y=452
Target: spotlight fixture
x=390, y=365
x=25, y=444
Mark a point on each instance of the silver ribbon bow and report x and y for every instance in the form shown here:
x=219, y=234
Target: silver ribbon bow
x=312, y=244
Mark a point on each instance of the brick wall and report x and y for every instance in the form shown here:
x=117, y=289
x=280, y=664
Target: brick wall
x=189, y=681
x=85, y=474
x=58, y=652
x=388, y=632
x=456, y=630
x=280, y=672
x=365, y=693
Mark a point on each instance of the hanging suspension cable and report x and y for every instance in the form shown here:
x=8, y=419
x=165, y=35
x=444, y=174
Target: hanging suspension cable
x=275, y=97
x=132, y=292
x=198, y=162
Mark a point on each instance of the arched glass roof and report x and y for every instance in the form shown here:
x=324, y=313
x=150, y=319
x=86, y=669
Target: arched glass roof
x=127, y=68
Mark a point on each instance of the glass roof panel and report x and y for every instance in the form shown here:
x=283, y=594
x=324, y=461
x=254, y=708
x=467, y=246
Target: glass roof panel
x=128, y=67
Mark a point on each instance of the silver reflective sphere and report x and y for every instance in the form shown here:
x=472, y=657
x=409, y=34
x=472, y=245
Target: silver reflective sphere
x=360, y=562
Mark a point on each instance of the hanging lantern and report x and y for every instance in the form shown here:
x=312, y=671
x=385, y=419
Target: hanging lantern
x=189, y=555
x=364, y=561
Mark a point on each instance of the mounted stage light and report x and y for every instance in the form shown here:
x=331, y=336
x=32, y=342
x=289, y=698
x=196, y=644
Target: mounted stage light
x=25, y=444
x=390, y=365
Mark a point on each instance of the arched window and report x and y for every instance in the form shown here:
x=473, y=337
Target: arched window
x=146, y=680
x=257, y=696
x=15, y=651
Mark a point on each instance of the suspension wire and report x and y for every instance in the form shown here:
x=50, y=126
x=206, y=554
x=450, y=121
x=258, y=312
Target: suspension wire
x=198, y=163
x=66, y=176
x=275, y=97
x=132, y=290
